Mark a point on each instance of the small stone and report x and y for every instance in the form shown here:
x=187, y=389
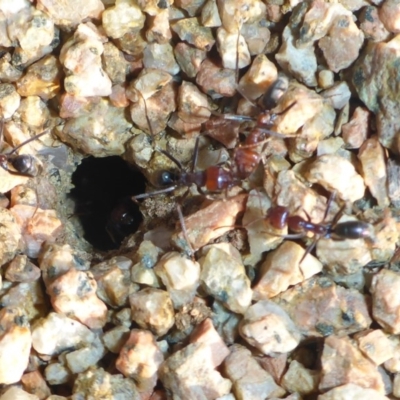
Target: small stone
x=114, y=63
x=10, y=236
x=15, y=393
x=158, y=27
x=375, y=345
x=57, y=374
x=321, y=308
x=160, y=56
x=15, y=344
x=343, y=363
x=268, y=328
x=74, y=293
x=115, y=338
x=389, y=13
x=180, y=276
x=122, y=18
x=328, y=171
x=104, y=386
x=224, y=277
x=209, y=15
x=189, y=30
x=211, y=222
x=188, y=374
x=284, y=267
x=250, y=381
x=356, y=130
x=385, y=303
x=342, y=44
x=233, y=49
x=57, y=333
x=152, y=309
x=373, y=162
x=22, y=270
x=351, y=391
x=8, y=72
x=34, y=383
x=139, y=359
x=72, y=12
x=371, y=24
x=338, y=95
x=189, y=58
x=215, y=80
x=9, y=100
x=326, y=79
x=257, y=37
x=299, y=379
x=142, y=271
x=34, y=112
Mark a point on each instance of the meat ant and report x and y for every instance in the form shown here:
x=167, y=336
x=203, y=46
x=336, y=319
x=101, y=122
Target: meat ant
x=23, y=164
x=279, y=218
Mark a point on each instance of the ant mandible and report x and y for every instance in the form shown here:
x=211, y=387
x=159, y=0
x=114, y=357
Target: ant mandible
x=23, y=164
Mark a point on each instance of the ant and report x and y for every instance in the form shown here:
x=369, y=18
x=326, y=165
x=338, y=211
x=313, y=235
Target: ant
x=23, y=164
x=279, y=217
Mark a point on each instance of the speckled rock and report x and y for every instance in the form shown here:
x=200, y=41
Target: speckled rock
x=250, y=381
x=99, y=383
x=189, y=58
x=343, y=363
x=81, y=57
x=321, y=308
x=180, y=276
x=375, y=345
x=15, y=345
x=115, y=338
x=122, y=18
x=114, y=63
x=282, y=268
x=10, y=236
x=20, y=269
x=209, y=15
x=299, y=379
x=372, y=26
x=355, y=131
x=328, y=170
x=34, y=383
x=158, y=27
x=385, y=303
x=16, y=393
x=72, y=12
x=338, y=94
x=152, y=309
x=224, y=277
x=389, y=13
x=8, y=72
x=268, y=328
x=160, y=56
x=41, y=79
x=9, y=100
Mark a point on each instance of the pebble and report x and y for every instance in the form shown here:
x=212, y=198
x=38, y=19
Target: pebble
x=319, y=307
x=328, y=170
x=103, y=385
x=209, y=15
x=158, y=28
x=375, y=345
x=216, y=81
x=72, y=13
x=15, y=344
x=343, y=363
x=224, y=278
x=57, y=374
x=282, y=268
x=122, y=18
x=160, y=56
x=249, y=380
x=268, y=328
x=389, y=13
x=20, y=269
x=114, y=63
x=385, y=302
x=356, y=130
x=56, y=333
x=233, y=49
x=338, y=95
x=9, y=100
x=34, y=383
x=15, y=393
x=373, y=161
x=152, y=309
x=81, y=57
x=140, y=359
x=74, y=293
x=299, y=379
x=189, y=58
x=326, y=79
x=115, y=338
x=257, y=37
x=371, y=24
x=351, y=391
x=211, y=222
x=180, y=276
x=41, y=79
x=190, y=31
x=34, y=112
x=8, y=72
x=10, y=236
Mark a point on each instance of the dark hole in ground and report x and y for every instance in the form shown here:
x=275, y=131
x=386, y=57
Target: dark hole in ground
x=102, y=195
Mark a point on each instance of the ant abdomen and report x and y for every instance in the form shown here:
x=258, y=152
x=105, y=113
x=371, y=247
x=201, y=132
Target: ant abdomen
x=217, y=179
x=352, y=230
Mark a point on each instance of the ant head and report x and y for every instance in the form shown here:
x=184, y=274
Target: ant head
x=167, y=178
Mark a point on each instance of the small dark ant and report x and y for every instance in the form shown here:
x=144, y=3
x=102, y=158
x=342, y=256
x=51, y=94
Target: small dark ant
x=23, y=164
x=279, y=217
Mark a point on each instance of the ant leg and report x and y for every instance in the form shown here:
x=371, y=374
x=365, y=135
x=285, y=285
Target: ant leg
x=184, y=231
x=151, y=194
x=309, y=249
x=195, y=154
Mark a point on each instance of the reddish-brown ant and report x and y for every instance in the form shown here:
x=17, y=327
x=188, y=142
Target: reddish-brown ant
x=23, y=164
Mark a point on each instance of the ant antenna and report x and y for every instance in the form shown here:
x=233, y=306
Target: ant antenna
x=184, y=230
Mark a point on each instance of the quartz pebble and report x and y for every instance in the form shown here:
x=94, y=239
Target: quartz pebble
x=22, y=270
x=9, y=100
x=15, y=393
x=343, y=363
x=189, y=58
x=15, y=344
x=249, y=380
x=152, y=309
x=268, y=328
x=223, y=277
x=180, y=276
